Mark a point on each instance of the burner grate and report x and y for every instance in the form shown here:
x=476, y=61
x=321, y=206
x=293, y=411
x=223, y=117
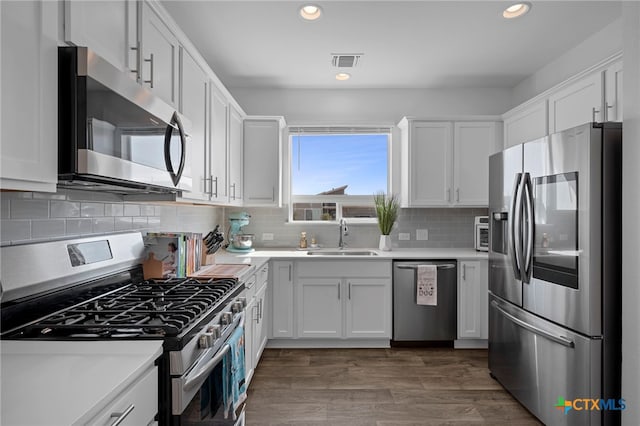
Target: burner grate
x=150, y=308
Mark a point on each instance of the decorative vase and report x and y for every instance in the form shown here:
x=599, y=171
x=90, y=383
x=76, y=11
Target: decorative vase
x=385, y=243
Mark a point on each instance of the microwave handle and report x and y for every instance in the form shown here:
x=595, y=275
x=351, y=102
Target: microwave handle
x=174, y=123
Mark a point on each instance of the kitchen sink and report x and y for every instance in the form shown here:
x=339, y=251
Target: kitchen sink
x=342, y=253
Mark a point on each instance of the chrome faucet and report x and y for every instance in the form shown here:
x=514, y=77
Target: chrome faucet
x=344, y=231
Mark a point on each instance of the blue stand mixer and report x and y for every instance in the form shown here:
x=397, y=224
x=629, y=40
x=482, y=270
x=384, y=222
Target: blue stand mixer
x=238, y=241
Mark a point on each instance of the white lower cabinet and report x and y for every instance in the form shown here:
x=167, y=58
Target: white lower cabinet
x=320, y=307
x=343, y=299
x=473, y=311
x=368, y=307
x=136, y=405
x=281, y=299
x=256, y=316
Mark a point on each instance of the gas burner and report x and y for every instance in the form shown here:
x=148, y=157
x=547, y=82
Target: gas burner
x=151, y=308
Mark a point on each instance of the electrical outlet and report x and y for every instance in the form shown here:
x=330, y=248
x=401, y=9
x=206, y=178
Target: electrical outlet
x=404, y=236
x=422, y=234
x=267, y=236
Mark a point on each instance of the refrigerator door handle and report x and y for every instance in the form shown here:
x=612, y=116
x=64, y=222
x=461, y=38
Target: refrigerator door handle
x=528, y=256
x=514, y=227
x=532, y=328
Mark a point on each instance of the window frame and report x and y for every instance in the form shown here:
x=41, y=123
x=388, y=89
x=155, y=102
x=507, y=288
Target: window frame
x=339, y=200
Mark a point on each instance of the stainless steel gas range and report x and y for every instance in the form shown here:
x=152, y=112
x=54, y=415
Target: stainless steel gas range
x=92, y=289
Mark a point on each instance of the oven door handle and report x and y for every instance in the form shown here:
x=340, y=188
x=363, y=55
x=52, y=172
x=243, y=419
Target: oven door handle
x=196, y=378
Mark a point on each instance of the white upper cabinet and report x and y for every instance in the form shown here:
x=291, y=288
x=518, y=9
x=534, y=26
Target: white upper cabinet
x=592, y=96
x=473, y=142
x=446, y=163
x=159, y=60
x=235, y=156
x=29, y=95
x=193, y=94
x=526, y=124
x=428, y=150
x=263, y=161
x=107, y=27
x=578, y=103
x=218, y=154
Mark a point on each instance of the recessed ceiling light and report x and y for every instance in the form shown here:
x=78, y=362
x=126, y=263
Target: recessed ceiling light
x=310, y=12
x=342, y=76
x=516, y=10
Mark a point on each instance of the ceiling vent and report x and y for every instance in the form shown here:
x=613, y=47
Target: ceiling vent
x=345, y=60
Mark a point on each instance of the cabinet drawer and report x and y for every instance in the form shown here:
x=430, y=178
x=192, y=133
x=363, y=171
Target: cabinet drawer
x=345, y=268
x=262, y=275
x=142, y=395
x=250, y=287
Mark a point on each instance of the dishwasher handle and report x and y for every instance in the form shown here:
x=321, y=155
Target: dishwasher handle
x=415, y=267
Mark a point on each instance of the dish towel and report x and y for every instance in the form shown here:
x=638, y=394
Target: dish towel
x=234, y=387
x=427, y=285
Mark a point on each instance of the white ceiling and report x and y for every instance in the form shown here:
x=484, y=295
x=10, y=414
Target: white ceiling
x=406, y=44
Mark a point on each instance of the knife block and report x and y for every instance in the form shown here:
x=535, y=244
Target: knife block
x=207, y=259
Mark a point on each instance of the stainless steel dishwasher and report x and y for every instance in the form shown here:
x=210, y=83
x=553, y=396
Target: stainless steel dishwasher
x=420, y=323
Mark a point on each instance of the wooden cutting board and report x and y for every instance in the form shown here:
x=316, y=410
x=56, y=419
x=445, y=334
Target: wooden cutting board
x=220, y=271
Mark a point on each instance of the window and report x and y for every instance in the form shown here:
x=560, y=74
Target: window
x=334, y=172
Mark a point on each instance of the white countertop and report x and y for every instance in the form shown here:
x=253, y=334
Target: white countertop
x=259, y=254
x=63, y=383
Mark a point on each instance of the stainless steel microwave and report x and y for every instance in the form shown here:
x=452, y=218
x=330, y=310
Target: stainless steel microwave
x=115, y=134
x=481, y=233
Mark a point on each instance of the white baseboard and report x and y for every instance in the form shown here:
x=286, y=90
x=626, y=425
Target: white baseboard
x=327, y=343
x=470, y=344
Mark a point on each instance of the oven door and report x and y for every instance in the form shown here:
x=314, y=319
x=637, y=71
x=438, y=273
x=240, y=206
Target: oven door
x=198, y=396
x=562, y=228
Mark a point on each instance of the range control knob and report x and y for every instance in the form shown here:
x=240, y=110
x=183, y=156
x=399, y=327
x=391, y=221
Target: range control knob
x=214, y=330
x=243, y=300
x=226, y=318
x=236, y=307
x=205, y=340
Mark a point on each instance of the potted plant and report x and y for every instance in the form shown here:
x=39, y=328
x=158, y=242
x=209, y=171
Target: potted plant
x=387, y=213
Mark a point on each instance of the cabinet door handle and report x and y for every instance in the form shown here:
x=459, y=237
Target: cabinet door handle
x=606, y=111
x=137, y=69
x=273, y=193
x=254, y=313
x=349, y=290
x=289, y=272
x=448, y=194
x=214, y=180
x=457, y=194
x=594, y=111
x=121, y=416
x=205, y=179
x=260, y=310
x=464, y=271
x=233, y=185
x=338, y=291
x=150, y=81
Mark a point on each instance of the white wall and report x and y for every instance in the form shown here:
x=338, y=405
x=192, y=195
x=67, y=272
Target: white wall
x=594, y=49
x=630, y=216
x=371, y=106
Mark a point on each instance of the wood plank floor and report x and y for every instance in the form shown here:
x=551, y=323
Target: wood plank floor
x=379, y=387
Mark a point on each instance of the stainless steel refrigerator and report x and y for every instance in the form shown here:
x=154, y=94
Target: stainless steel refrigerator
x=554, y=274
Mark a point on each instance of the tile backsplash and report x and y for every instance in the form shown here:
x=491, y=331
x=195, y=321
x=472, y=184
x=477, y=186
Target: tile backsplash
x=35, y=216
x=447, y=228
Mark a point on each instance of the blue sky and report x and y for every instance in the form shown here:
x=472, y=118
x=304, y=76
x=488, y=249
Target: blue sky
x=331, y=161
